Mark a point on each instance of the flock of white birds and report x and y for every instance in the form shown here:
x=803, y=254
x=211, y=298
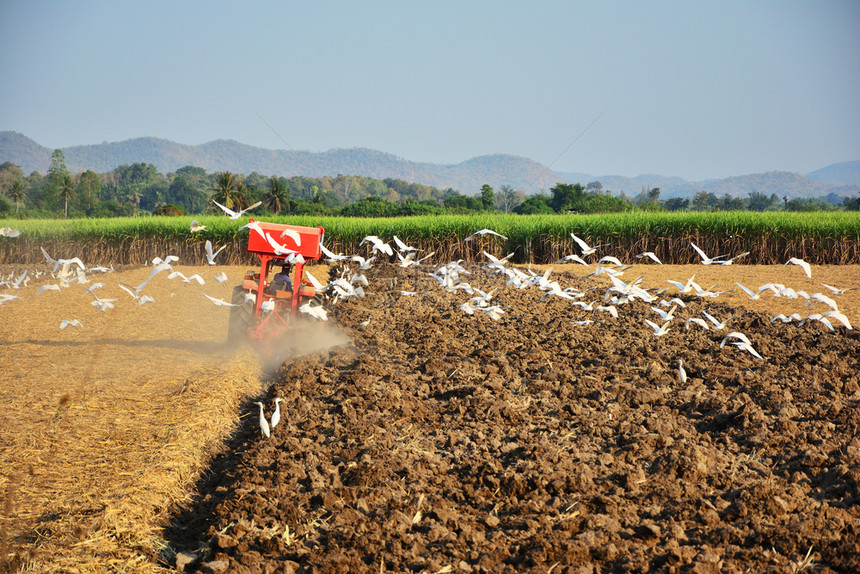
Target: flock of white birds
x=351, y=282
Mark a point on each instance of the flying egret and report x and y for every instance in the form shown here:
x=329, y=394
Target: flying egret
x=195, y=227
x=73, y=323
x=234, y=215
x=158, y=261
x=294, y=235
x=402, y=246
x=573, y=257
x=276, y=416
x=210, y=255
x=733, y=259
x=735, y=335
x=815, y=297
x=682, y=374
x=331, y=257
x=839, y=291
x=9, y=232
x=753, y=295
x=314, y=311
x=719, y=326
x=839, y=316
x=17, y=283
x=607, y=309
x=48, y=287
x=748, y=348
x=802, y=263
x=264, y=425
x=221, y=302
x=484, y=232
x=221, y=277
x=103, y=304
x=144, y=299
x=195, y=277
x=666, y=315
x=659, y=330
x=5, y=297
x=784, y=319
x=377, y=245
x=586, y=250
x=705, y=259
x=650, y=255
x=48, y=259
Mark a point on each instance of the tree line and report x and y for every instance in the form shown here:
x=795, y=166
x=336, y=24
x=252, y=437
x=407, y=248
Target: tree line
x=140, y=189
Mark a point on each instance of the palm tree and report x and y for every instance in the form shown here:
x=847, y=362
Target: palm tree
x=67, y=191
x=277, y=198
x=16, y=193
x=228, y=190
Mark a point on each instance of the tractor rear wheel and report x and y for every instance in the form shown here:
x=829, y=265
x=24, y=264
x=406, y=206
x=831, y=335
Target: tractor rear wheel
x=240, y=317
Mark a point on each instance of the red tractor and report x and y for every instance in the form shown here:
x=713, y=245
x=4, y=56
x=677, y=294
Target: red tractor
x=265, y=307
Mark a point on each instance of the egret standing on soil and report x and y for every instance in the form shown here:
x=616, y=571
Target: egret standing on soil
x=264, y=426
x=276, y=416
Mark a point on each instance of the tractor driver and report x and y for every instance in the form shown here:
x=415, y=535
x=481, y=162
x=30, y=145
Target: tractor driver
x=281, y=281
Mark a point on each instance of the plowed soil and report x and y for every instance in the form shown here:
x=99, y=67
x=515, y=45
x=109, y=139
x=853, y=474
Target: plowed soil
x=437, y=441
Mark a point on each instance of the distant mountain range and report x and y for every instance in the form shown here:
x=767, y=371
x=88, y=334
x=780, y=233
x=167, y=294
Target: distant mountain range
x=837, y=180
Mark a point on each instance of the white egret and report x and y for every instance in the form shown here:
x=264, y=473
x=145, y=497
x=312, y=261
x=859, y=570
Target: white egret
x=573, y=257
x=816, y=317
x=17, y=283
x=221, y=277
x=158, y=261
x=73, y=323
x=144, y=299
x=4, y=297
x=195, y=227
x=705, y=259
x=48, y=259
x=733, y=259
x=682, y=374
x=748, y=348
x=48, y=287
x=264, y=425
x=377, y=245
x=607, y=309
x=234, y=215
x=753, y=295
x=735, y=335
x=719, y=326
x=784, y=319
x=276, y=416
x=586, y=249
x=195, y=277
x=666, y=315
x=659, y=330
x=650, y=255
x=801, y=263
x=210, y=255
x=314, y=311
x=839, y=317
x=331, y=257
x=9, y=232
x=815, y=297
x=839, y=291
x=292, y=234
x=484, y=232
x=221, y=302
x=93, y=287
x=402, y=246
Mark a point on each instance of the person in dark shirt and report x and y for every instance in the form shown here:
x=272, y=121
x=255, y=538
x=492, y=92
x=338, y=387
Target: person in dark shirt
x=281, y=281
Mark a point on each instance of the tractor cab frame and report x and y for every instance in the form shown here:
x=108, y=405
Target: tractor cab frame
x=262, y=313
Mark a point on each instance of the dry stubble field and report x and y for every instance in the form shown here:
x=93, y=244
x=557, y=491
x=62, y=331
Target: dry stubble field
x=512, y=450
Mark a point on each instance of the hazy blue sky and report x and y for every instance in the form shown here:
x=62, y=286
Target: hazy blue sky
x=694, y=89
